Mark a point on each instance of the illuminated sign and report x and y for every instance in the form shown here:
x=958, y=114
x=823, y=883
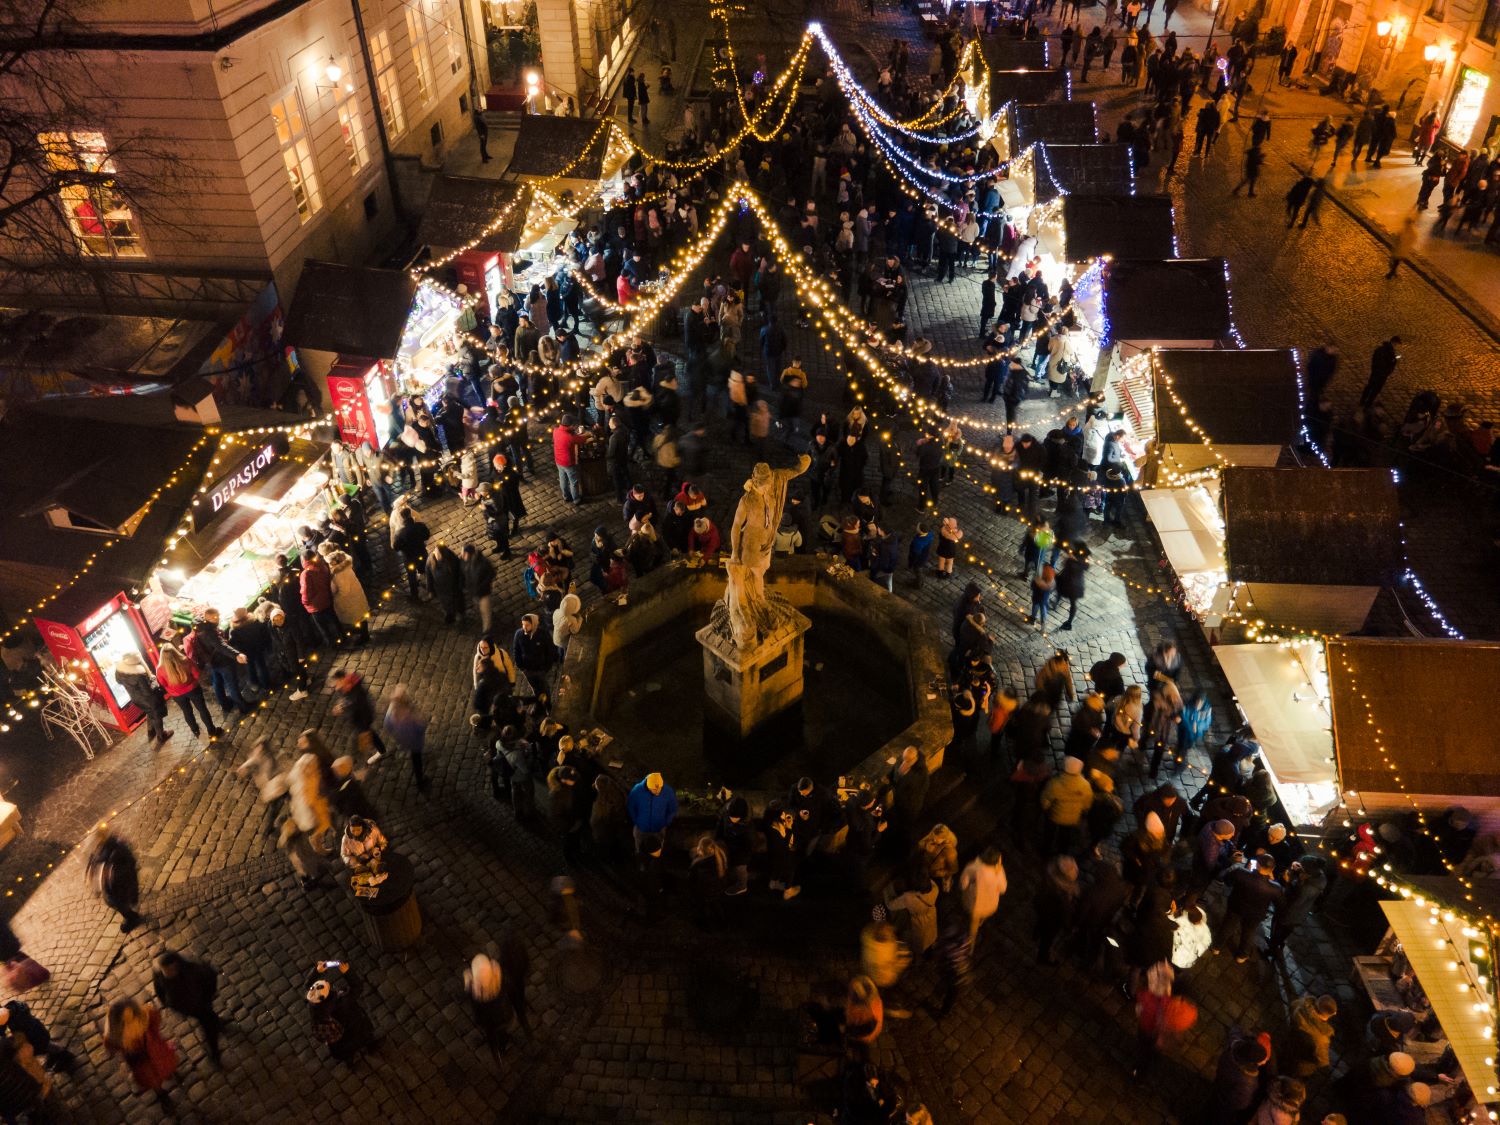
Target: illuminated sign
x=225, y=489
x=1468, y=99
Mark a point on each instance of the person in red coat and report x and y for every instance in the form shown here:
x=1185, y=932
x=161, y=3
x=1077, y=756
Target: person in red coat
x=133, y=1031
x=567, y=436
x=317, y=597
x=704, y=540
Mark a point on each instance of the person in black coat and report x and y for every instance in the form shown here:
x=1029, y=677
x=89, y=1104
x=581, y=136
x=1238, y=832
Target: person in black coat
x=852, y=458
x=188, y=988
x=531, y=648
x=112, y=871
x=409, y=537
x=445, y=580
x=515, y=965
x=252, y=636
x=141, y=686
x=479, y=581
x=736, y=835
x=1070, y=579
x=1253, y=892
x=337, y=1017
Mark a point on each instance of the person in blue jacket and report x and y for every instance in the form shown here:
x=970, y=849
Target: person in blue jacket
x=651, y=806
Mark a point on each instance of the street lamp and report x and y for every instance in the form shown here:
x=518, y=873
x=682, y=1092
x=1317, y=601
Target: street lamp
x=333, y=72
x=1383, y=29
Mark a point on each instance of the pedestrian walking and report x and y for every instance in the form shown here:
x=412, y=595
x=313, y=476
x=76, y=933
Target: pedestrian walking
x=479, y=582
x=408, y=729
x=982, y=884
x=1255, y=159
x=188, y=988
x=627, y=88
x=515, y=968
x=488, y=1004
x=111, y=870
x=1055, y=905
x=1383, y=363
x=1401, y=246
x=482, y=134
x=1311, y=1030
x=132, y=1030
x=1296, y=196
x=355, y=705
x=643, y=96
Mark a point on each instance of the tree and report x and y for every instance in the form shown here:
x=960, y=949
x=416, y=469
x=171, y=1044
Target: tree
x=75, y=194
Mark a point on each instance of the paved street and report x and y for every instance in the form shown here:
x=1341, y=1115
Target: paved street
x=667, y=1023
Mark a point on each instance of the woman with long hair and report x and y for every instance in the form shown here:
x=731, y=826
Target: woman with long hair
x=179, y=679
x=133, y=1031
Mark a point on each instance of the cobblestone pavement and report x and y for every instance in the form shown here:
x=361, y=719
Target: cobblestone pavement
x=633, y=1036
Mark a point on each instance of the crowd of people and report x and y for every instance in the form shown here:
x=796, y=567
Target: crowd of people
x=1137, y=897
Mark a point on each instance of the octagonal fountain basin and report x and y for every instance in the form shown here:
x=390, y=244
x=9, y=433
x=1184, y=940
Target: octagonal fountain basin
x=873, y=672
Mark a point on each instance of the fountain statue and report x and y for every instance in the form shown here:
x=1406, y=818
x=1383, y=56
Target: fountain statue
x=752, y=645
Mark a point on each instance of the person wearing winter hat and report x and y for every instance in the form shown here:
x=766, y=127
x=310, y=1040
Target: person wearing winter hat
x=141, y=686
x=1420, y=1094
x=1065, y=800
x=1237, y=1082
x=1392, y=1069
x=736, y=835
x=1282, y=1104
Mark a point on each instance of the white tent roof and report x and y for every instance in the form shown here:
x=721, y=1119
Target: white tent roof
x=1275, y=688
x=1440, y=954
x=1190, y=530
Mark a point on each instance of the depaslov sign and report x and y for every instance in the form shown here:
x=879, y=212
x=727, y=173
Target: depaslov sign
x=221, y=493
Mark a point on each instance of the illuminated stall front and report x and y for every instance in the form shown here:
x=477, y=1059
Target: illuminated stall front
x=139, y=472
x=1282, y=693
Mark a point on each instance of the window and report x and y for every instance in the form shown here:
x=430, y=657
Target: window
x=385, y=84
x=453, y=39
x=352, y=122
x=291, y=134
x=97, y=213
x=1489, y=24
x=416, y=28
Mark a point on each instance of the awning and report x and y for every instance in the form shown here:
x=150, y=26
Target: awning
x=1441, y=955
x=1012, y=194
x=550, y=239
x=1188, y=527
x=1278, y=692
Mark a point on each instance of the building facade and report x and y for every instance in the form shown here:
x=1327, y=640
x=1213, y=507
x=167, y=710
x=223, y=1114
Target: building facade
x=1428, y=55
x=270, y=131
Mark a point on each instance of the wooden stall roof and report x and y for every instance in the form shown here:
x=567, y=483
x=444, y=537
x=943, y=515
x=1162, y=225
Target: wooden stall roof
x=1432, y=702
x=1248, y=396
x=1329, y=527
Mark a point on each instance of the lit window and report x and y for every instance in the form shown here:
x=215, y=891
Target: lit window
x=416, y=28
x=351, y=122
x=97, y=213
x=385, y=84
x=296, y=153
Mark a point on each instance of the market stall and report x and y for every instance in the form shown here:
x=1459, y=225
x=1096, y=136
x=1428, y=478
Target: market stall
x=475, y=226
x=250, y=513
x=1218, y=406
x=1437, y=965
x=137, y=472
x=1310, y=548
x=1030, y=86
x=570, y=154
x=1282, y=694
x=1023, y=124
x=350, y=318
x=1118, y=226
x=1420, y=711
x=1168, y=303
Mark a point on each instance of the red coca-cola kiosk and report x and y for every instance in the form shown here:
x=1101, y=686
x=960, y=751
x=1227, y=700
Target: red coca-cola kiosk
x=88, y=637
x=361, y=390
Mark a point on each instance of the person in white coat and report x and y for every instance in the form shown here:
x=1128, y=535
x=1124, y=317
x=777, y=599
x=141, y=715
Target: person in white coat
x=567, y=619
x=350, y=605
x=982, y=884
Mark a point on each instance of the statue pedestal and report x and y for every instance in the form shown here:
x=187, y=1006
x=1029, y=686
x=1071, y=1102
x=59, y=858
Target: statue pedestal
x=745, y=687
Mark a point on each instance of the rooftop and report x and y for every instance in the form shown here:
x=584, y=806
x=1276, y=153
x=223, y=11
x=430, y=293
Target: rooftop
x=1119, y=226
x=567, y=147
x=1322, y=527
x=350, y=309
x=1083, y=169
x=1067, y=123
x=1167, y=299
x=1431, y=702
x=1238, y=397
x=462, y=209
